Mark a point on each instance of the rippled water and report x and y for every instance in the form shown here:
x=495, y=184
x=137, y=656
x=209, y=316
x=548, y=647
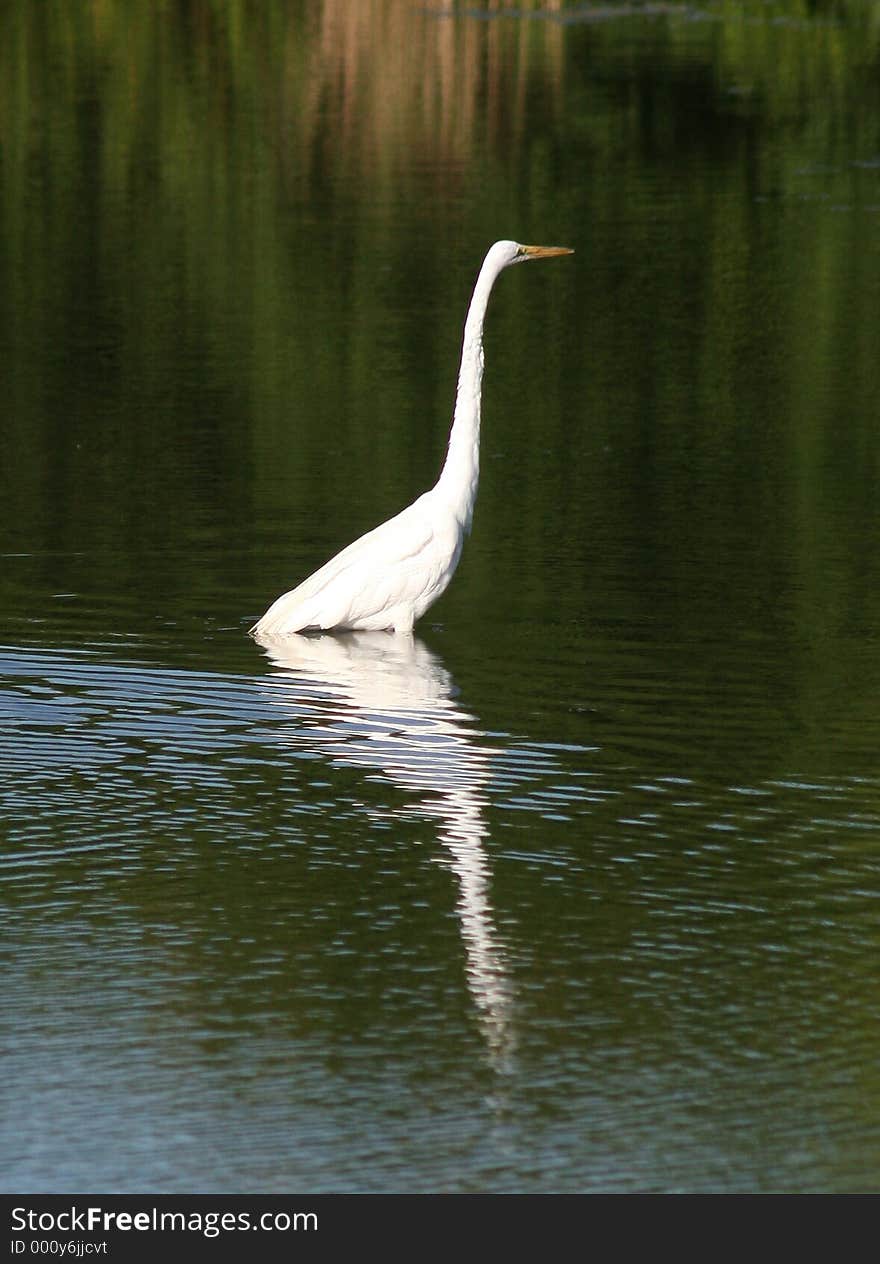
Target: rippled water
x=311, y=924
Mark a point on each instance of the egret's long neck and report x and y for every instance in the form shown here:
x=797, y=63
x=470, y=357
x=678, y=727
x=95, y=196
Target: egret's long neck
x=461, y=470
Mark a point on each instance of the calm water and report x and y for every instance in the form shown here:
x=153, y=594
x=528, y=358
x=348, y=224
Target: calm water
x=578, y=888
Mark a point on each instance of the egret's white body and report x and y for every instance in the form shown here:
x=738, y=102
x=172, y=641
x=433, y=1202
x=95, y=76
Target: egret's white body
x=388, y=578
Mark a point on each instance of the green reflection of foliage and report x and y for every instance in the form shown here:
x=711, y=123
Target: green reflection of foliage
x=195, y=196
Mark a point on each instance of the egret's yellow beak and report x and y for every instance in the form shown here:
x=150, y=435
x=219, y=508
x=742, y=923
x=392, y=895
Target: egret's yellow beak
x=545, y=252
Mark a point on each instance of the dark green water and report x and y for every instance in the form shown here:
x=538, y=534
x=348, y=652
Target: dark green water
x=580, y=889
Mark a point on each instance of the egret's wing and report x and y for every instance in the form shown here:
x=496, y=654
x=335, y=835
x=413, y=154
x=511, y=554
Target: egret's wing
x=380, y=570
x=385, y=567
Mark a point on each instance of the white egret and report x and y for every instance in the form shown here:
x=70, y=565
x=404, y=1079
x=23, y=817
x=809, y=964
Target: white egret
x=388, y=578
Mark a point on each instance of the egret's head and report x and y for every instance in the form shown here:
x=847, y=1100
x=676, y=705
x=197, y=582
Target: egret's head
x=505, y=253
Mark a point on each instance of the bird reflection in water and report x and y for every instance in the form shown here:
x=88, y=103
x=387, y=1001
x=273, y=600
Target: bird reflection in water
x=383, y=701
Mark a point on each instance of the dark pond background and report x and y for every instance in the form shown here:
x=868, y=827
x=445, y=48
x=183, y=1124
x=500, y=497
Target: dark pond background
x=579, y=889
